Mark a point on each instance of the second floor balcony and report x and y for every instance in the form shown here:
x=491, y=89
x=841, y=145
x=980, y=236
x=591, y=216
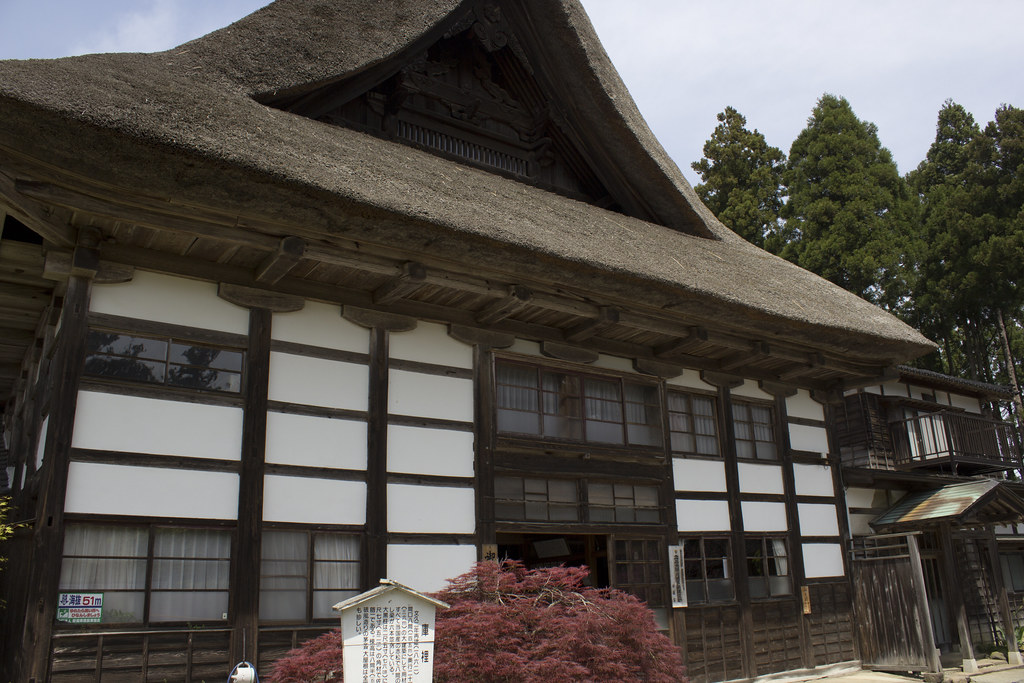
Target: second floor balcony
x=960, y=443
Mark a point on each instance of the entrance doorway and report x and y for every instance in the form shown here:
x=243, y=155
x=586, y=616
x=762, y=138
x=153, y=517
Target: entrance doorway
x=632, y=564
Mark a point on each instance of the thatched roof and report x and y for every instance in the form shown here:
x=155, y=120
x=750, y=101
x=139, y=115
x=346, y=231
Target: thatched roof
x=188, y=124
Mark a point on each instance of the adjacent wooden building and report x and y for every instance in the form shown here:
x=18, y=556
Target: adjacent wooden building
x=351, y=290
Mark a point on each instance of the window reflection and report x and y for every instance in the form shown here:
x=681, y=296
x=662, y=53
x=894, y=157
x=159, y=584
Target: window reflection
x=170, y=362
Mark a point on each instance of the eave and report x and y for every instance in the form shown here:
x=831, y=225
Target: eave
x=174, y=235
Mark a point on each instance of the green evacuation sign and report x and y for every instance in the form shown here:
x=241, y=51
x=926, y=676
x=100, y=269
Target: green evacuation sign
x=80, y=608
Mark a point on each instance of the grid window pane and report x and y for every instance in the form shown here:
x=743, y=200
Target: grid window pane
x=693, y=427
x=706, y=563
x=754, y=426
x=575, y=406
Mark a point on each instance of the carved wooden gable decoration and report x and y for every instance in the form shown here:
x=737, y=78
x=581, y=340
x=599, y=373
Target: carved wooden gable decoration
x=473, y=96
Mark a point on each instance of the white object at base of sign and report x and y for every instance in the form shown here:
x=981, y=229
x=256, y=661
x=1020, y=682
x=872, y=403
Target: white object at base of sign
x=244, y=672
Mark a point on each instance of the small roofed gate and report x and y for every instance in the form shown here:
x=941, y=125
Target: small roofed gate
x=893, y=621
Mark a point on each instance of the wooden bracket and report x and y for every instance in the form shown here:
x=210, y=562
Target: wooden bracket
x=516, y=299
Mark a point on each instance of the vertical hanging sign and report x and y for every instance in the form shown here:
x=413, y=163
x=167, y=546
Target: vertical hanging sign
x=677, y=575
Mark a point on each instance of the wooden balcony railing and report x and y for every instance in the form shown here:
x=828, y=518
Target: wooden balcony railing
x=958, y=442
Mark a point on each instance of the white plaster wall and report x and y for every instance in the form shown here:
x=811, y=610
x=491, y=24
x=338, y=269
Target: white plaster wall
x=308, y=500
x=806, y=438
x=916, y=391
x=691, y=380
x=702, y=515
x=691, y=474
x=749, y=389
x=965, y=402
x=114, y=422
x=431, y=509
x=802, y=405
x=818, y=519
x=860, y=497
x=316, y=441
x=318, y=382
x=102, y=489
x=860, y=524
x=760, y=478
x=894, y=389
x=321, y=325
x=421, y=395
x=430, y=343
x=440, y=452
x=614, y=363
x=823, y=559
x=428, y=567
x=169, y=299
x=813, y=480
x=41, y=441
x=758, y=516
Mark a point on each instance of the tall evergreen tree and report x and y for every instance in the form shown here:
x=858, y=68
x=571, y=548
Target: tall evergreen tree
x=846, y=214
x=742, y=177
x=965, y=293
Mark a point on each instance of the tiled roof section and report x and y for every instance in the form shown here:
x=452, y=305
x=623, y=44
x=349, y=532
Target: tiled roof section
x=956, y=383
x=983, y=501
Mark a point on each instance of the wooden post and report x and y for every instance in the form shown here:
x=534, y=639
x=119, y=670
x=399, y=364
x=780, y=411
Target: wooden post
x=375, y=566
x=796, y=553
x=737, y=536
x=245, y=569
x=921, y=593
x=48, y=535
x=484, y=438
x=970, y=663
x=1005, y=615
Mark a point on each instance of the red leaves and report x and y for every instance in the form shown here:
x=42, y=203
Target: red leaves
x=508, y=624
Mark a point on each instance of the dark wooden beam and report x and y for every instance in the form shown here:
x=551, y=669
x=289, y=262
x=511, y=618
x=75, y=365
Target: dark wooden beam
x=573, y=354
x=516, y=299
x=695, y=338
x=375, y=567
x=278, y=264
x=244, y=604
x=478, y=337
x=365, y=317
x=59, y=264
x=657, y=368
x=35, y=215
x=411, y=278
x=249, y=297
x=744, y=357
x=607, y=316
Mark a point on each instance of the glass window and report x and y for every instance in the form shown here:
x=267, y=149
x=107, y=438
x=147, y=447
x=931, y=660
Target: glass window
x=623, y=503
x=693, y=426
x=164, y=361
x=640, y=570
x=575, y=406
x=540, y=500
x=768, y=567
x=188, y=571
x=304, y=574
x=706, y=566
x=754, y=425
x=1013, y=571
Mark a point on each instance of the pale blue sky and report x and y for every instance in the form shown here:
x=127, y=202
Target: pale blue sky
x=896, y=61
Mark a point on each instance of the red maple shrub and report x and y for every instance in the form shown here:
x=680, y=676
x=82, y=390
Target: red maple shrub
x=509, y=624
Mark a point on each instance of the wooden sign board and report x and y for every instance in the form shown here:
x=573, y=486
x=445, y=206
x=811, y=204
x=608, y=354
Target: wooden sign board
x=388, y=635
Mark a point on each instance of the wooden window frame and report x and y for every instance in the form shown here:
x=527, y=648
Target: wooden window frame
x=748, y=419
x=150, y=558
x=310, y=573
x=585, y=413
x=690, y=415
x=764, y=577
x=701, y=563
x=170, y=340
x=582, y=505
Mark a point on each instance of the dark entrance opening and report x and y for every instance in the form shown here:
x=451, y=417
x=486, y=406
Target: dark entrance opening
x=553, y=550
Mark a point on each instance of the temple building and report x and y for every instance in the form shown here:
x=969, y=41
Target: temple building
x=355, y=289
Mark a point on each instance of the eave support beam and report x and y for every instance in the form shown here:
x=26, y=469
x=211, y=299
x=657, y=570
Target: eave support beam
x=606, y=317
x=412, y=277
x=278, y=264
x=517, y=298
